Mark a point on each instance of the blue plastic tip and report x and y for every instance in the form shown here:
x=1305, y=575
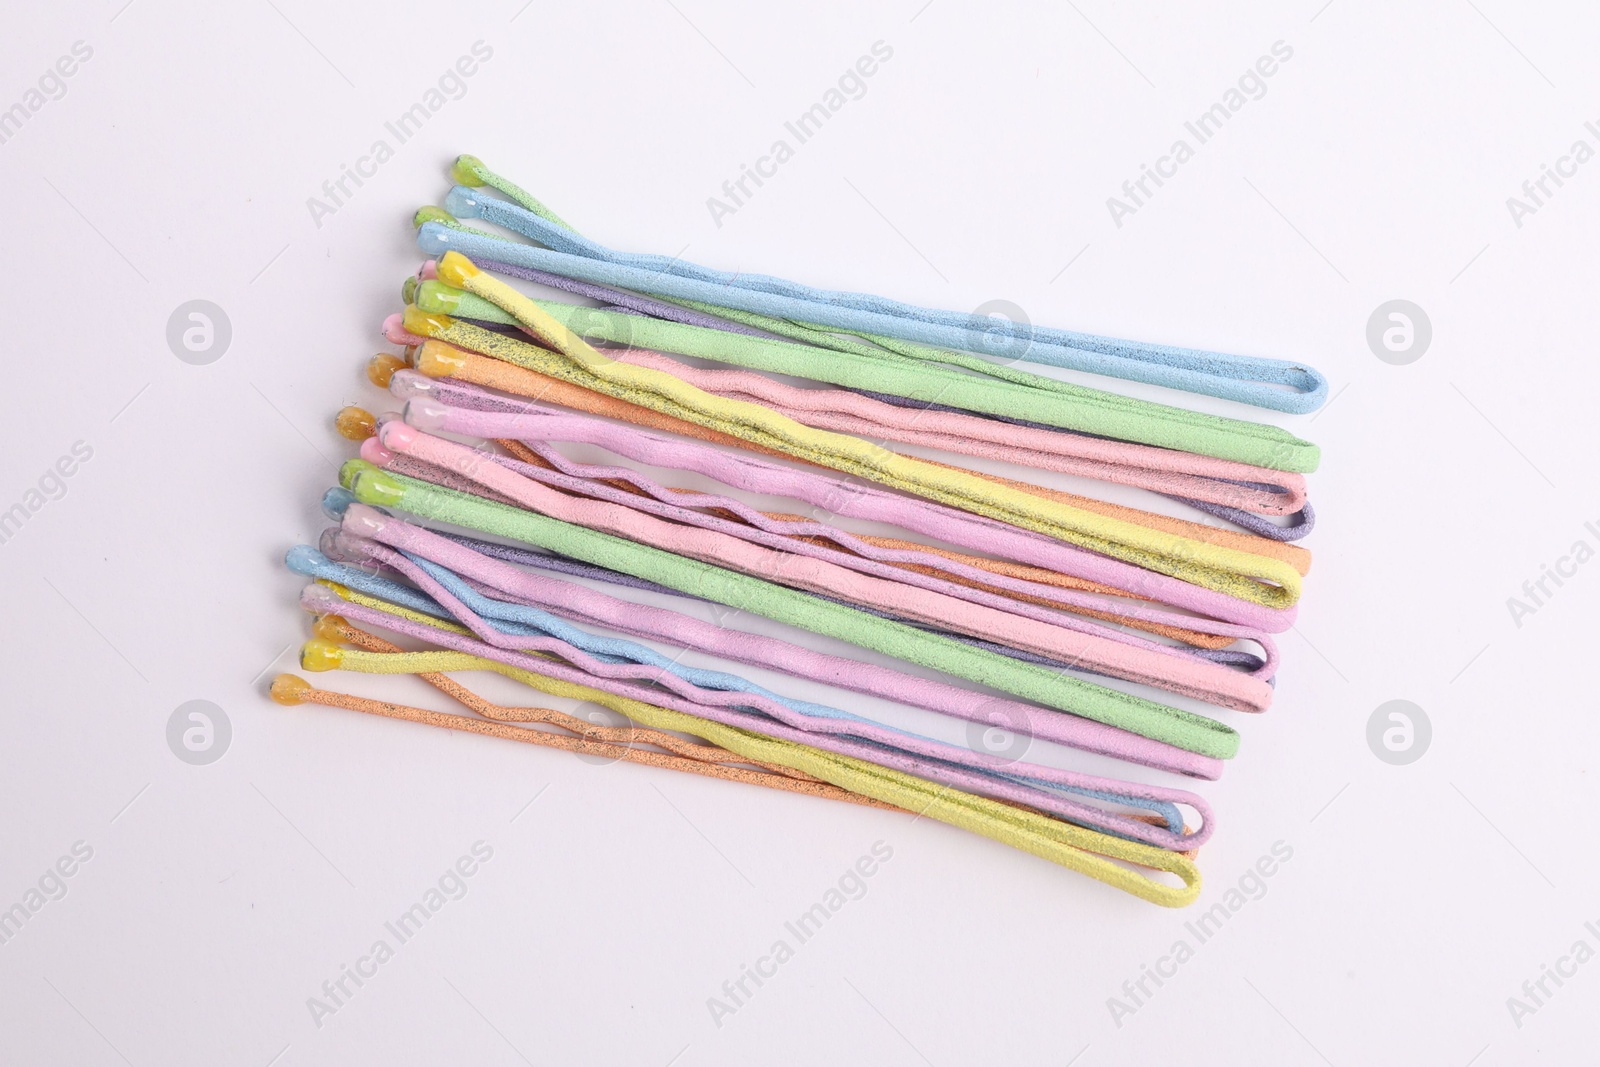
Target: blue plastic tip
x=335, y=501
x=464, y=203
x=434, y=238
x=305, y=560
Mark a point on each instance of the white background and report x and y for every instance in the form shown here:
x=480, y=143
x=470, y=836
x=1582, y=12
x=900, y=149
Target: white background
x=219, y=898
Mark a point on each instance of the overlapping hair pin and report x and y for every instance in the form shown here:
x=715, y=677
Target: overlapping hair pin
x=1020, y=611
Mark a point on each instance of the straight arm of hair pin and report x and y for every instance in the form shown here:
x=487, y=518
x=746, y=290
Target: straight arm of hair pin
x=1241, y=378
x=1060, y=404
x=1253, y=578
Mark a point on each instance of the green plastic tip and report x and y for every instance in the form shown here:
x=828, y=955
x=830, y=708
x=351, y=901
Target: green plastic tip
x=349, y=470
x=437, y=298
x=469, y=170
x=430, y=213
x=408, y=291
x=376, y=487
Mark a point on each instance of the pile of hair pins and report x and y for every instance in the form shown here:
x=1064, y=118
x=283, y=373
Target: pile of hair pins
x=1076, y=621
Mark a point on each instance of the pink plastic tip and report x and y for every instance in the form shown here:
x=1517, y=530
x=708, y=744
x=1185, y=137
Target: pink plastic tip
x=396, y=435
x=374, y=453
x=429, y=271
x=409, y=384
x=333, y=544
x=426, y=414
x=362, y=520
x=320, y=600
x=397, y=334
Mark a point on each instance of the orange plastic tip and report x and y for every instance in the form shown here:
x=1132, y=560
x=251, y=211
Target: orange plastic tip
x=290, y=689
x=329, y=627
x=355, y=424
x=320, y=655
x=455, y=269
x=421, y=323
x=381, y=367
x=439, y=360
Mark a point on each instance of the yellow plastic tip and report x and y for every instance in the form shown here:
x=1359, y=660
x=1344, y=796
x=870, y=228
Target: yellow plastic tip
x=320, y=655
x=342, y=590
x=468, y=170
x=421, y=323
x=437, y=297
x=375, y=487
x=455, y=269
x=355, y=424
x=329, y=627
x=408, y=289
x=289, y=689
x=439, y=360
x=381, y=367
x=429, y=213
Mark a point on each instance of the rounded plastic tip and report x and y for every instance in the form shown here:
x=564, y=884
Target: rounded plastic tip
x=429, y=271
x=373, y=451
x=373, y=486
x=437, y=298
x=464, y=202
x=349, y=469
x=305, y=560
x=408, y=289
x=428, y=213
x=328, y=545
x=335, y=500
x=469, y=170
x=439, y=360
x=289, y=690
x=423, y=324
x=319, y=599
x=381, y=368
x=435, y=238
x=394, y=331
x=330, y=627
x=397, y=436
x=408, y=385
x=355, y=424
x=456, y=269
x=320, y=655
x=363, y=521
x=426, y=414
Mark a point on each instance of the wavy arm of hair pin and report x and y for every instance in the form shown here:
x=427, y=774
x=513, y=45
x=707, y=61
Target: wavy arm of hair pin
x=620, y=742
x=1098, y=855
